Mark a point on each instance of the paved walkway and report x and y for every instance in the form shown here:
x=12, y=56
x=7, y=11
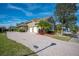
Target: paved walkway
x=37, y=42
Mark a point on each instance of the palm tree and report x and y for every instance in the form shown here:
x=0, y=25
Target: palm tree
x=44, y=25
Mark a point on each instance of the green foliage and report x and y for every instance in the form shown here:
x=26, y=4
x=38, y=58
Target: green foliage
x=64, y=9
x=74, y=28
x=66, y=12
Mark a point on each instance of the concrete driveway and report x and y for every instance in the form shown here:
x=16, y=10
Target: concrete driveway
x=41, y=44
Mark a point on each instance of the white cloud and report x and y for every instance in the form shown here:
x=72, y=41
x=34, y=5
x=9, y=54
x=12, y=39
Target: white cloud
x=20, y=9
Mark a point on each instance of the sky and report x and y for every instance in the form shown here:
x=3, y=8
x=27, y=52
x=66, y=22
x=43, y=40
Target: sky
x=13, y=13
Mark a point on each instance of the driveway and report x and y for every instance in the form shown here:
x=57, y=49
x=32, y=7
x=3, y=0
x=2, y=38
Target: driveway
x=41, y=44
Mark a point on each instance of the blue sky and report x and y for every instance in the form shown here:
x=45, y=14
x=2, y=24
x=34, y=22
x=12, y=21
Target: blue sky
x=10, y=14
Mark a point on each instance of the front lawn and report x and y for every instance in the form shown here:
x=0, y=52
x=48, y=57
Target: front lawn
x=60, y=37
x=12, y=48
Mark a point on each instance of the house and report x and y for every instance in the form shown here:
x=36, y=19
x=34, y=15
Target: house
x=32, y=27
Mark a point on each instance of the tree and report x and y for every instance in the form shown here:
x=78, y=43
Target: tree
x=66, y=14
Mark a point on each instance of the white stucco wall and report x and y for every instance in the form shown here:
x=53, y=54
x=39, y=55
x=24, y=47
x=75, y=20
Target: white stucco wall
x=30, y=29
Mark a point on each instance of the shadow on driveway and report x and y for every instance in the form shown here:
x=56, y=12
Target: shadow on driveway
x=52, y=44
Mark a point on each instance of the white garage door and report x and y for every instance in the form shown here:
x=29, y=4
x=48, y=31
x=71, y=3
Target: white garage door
x=35, y=29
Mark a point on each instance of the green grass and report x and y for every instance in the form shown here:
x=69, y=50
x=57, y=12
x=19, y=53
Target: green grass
x=60, y=37
x=63, y=38
x=12, y=48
